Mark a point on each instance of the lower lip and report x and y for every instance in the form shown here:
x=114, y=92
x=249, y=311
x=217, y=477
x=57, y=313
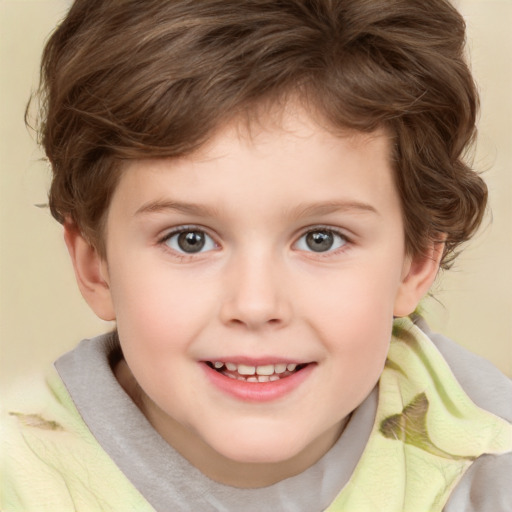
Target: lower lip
x=257, y=391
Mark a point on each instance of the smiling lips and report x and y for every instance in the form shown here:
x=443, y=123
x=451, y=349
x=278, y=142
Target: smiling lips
x=257, y=383
x=262, y=373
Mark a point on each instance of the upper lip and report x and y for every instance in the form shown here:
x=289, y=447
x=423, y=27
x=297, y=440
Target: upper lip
x=260, y=361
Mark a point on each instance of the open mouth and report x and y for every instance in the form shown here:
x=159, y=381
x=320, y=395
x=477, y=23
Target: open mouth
x=264, y=373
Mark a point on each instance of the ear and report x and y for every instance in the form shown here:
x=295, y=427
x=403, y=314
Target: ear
x=90, y=271
x=418, y=275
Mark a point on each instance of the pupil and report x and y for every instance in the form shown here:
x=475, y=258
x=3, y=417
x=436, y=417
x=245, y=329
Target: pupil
x=191, y=241
x=319, y=241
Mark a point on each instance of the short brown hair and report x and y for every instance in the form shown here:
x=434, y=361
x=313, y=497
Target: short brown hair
x=124, y=79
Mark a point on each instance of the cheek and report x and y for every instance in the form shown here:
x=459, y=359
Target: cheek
x=357, y=342
x=158, y=307
x=157, y=321
x=353, y=317
x=351, y=298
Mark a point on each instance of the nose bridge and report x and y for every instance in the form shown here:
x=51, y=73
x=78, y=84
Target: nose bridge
x=255, y=294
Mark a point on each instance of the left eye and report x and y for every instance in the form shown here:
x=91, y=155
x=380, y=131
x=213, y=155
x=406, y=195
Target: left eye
x=321, y=240
x=190, y=241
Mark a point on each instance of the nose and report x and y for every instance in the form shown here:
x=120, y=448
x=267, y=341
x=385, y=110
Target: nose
x=256, y=295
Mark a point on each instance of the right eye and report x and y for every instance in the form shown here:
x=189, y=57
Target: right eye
x=190, y=241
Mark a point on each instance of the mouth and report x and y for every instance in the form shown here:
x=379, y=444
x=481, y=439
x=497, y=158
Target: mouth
x=254, y=374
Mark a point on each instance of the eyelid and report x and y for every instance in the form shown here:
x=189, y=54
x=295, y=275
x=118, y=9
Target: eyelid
x=343, y=232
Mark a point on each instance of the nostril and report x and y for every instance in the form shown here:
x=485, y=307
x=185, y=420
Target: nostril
x=251, y=323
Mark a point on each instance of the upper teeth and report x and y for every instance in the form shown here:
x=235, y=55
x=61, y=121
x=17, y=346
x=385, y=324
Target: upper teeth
x=267, y=369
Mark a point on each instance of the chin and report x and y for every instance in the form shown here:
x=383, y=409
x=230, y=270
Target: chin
x=258, y=449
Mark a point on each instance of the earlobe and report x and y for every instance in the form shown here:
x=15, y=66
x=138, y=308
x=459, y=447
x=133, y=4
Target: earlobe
x=90, y=271
x=419, y=274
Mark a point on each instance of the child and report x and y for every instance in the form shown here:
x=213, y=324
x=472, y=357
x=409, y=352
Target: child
x=259, y=193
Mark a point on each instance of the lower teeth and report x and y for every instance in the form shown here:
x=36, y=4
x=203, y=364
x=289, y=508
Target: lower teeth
x=252, y=378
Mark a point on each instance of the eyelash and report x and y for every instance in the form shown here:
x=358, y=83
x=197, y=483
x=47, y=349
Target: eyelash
x=163, y=241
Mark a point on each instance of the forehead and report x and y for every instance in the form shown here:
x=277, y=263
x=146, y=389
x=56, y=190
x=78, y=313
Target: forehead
x=281, y=159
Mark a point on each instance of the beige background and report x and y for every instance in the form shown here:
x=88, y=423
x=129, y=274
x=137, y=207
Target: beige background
x=41, y=311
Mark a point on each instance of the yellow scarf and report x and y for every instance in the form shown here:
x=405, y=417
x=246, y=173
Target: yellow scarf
x=427, y=433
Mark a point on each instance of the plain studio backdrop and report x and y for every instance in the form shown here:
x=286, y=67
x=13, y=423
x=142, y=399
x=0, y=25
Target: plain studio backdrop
x=42, y=313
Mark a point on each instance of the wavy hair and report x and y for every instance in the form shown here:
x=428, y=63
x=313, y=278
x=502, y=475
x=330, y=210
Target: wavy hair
x=125, y=79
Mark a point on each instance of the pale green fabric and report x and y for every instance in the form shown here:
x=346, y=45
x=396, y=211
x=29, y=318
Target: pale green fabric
x=52, y=463
x=426, y=434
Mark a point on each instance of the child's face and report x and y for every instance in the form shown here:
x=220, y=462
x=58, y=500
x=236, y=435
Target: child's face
x=285, y=247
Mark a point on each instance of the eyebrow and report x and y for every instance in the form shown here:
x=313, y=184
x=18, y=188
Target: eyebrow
x=302, y=210
x=327, y=207
x=162, y=205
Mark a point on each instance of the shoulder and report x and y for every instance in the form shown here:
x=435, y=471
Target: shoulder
x=485, y=487
x=486, y=484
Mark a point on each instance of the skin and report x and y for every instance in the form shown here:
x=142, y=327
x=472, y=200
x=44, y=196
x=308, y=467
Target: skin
x=256, y=290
